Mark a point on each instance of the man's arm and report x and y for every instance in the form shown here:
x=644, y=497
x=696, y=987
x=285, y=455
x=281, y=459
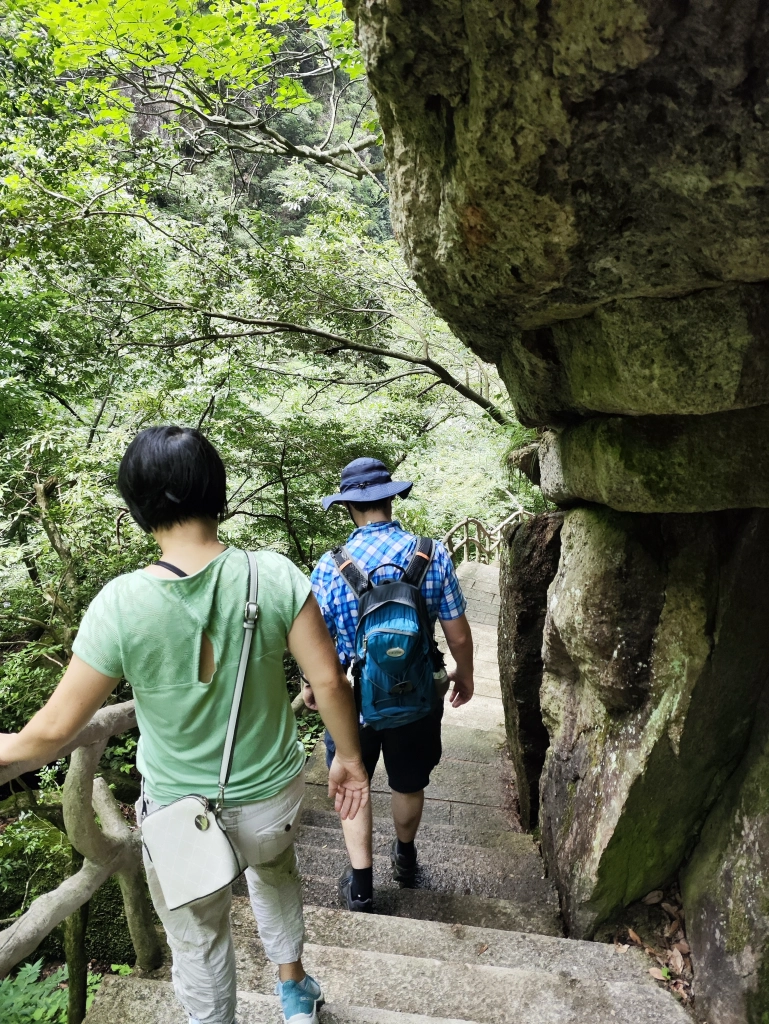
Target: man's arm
x=311, y=645
x=460, y=641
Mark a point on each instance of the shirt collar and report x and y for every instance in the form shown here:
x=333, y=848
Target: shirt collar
x=375, y=528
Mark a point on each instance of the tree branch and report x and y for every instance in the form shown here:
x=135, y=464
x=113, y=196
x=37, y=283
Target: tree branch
x=342, y=344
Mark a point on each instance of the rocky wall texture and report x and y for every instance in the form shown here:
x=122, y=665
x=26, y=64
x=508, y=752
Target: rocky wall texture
x=656, y=654
x=529, y=555
x=726, y=889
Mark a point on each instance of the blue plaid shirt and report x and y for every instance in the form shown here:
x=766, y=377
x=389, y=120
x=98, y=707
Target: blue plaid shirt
x=371, y=546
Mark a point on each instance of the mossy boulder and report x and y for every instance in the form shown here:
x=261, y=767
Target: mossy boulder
x=529, y=555
x=726, y=892
x=655, y=654
x=701, y=353
x=661, y=463
x=546, y=158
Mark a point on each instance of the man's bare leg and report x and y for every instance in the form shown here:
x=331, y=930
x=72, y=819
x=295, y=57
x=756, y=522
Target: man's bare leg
x=407, y=813
x=357, y=838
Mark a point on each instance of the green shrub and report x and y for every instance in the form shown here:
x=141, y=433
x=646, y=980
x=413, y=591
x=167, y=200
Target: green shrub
x=35, y=858
x=27, y=997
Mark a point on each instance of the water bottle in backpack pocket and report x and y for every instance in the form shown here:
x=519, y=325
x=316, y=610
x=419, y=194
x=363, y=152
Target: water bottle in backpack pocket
x=395, y=650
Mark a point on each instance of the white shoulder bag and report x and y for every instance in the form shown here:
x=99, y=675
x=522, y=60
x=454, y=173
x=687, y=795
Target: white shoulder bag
x=186, y=840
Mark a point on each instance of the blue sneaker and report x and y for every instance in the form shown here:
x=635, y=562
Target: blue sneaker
x=300, y=1000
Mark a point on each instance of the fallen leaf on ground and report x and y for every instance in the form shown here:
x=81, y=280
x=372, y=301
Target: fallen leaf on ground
x=622, y=947
x=656, y=972
x=683, y=946
x=635, y=937
x=676, y=960
x=656, y=896
x=482, y=949
x=670, y=909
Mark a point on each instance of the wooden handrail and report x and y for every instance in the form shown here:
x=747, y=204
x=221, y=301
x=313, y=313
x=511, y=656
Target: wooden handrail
x=109, y=847
x=483, y=545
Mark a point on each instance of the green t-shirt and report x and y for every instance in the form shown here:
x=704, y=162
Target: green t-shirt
x=149, y=630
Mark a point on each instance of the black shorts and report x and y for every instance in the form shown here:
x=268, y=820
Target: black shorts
x=410, y=751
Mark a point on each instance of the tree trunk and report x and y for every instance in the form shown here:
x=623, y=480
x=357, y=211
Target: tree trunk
x=77, y=960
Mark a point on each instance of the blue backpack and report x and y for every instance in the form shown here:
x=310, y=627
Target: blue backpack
x=395, y=649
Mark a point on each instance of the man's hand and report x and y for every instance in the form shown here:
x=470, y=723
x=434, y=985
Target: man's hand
x=349, y=786
x=308, y=696
x=462, y=690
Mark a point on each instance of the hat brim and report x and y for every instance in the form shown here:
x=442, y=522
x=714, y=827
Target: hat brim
x=395, y=489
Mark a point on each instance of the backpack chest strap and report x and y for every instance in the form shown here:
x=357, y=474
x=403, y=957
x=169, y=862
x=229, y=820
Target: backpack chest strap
x=419, y=562
x=357, y=580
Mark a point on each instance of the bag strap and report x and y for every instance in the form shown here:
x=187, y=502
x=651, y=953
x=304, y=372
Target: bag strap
x=173, y=568
x=357, y=580
x=249, y=623
x=420, y=561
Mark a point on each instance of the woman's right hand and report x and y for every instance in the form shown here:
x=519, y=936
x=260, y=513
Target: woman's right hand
x=349, y=786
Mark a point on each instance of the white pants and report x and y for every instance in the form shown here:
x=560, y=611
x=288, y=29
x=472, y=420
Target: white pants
x=199, y=935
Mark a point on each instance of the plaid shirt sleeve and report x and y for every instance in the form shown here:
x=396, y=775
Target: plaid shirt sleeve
x=453, y=602
x=321, y=579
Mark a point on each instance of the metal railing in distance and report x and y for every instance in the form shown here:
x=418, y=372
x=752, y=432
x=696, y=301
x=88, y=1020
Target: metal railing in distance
x=473, y=541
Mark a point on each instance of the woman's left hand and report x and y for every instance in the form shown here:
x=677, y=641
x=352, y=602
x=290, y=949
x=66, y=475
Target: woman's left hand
x=349, y=786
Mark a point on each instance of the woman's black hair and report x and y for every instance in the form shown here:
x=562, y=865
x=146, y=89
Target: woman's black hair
x=171, y=474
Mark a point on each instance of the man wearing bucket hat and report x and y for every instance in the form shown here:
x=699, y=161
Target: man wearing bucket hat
x=359, y=578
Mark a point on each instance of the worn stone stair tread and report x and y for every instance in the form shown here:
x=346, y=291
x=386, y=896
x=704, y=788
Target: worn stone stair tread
x=455, y=943
x=532, y=915
x=519, y=880
x=433, y=832
x=490, y=995
x=436, y=812
x=472, y=782
x=511, y=849
x=145, y=1001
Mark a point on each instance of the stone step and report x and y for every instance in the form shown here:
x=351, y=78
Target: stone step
x=144, y=1001
x=455, y=943
x=491, y=995
x=531, y=915
x=470, y=781
x=436, y=812
x=475, y=871
x=433, y=832
x=514, y=853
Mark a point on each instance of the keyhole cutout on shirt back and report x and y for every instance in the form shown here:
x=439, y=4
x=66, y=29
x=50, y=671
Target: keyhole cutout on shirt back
x=207, y=664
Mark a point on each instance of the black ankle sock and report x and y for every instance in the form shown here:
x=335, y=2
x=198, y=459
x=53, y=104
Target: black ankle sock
x=362, y=887
x=407, y=850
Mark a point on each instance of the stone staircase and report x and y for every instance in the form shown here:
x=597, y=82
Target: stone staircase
x=478, y=940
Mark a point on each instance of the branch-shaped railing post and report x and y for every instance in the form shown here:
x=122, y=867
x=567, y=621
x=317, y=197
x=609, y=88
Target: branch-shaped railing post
x=484, y=544
x=107, y=850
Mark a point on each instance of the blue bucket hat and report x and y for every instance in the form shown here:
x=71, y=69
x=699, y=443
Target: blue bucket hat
x=367, y=480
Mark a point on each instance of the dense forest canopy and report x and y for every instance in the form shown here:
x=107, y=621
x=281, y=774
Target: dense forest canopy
x=194, y=228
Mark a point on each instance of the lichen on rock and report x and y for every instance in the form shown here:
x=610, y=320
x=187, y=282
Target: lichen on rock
x=652, y=672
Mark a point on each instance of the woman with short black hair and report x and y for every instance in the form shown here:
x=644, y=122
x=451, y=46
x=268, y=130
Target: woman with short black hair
x=174, y=630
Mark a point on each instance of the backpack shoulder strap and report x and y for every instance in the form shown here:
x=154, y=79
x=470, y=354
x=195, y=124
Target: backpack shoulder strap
x=420, y=561
x=355, y=578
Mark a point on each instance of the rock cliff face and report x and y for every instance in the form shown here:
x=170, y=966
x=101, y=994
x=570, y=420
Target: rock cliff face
x=582, y=191
x=529, y=555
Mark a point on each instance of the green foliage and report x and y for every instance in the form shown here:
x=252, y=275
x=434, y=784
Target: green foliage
x=311, y=728
x=35, y=857
x=27, y=997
